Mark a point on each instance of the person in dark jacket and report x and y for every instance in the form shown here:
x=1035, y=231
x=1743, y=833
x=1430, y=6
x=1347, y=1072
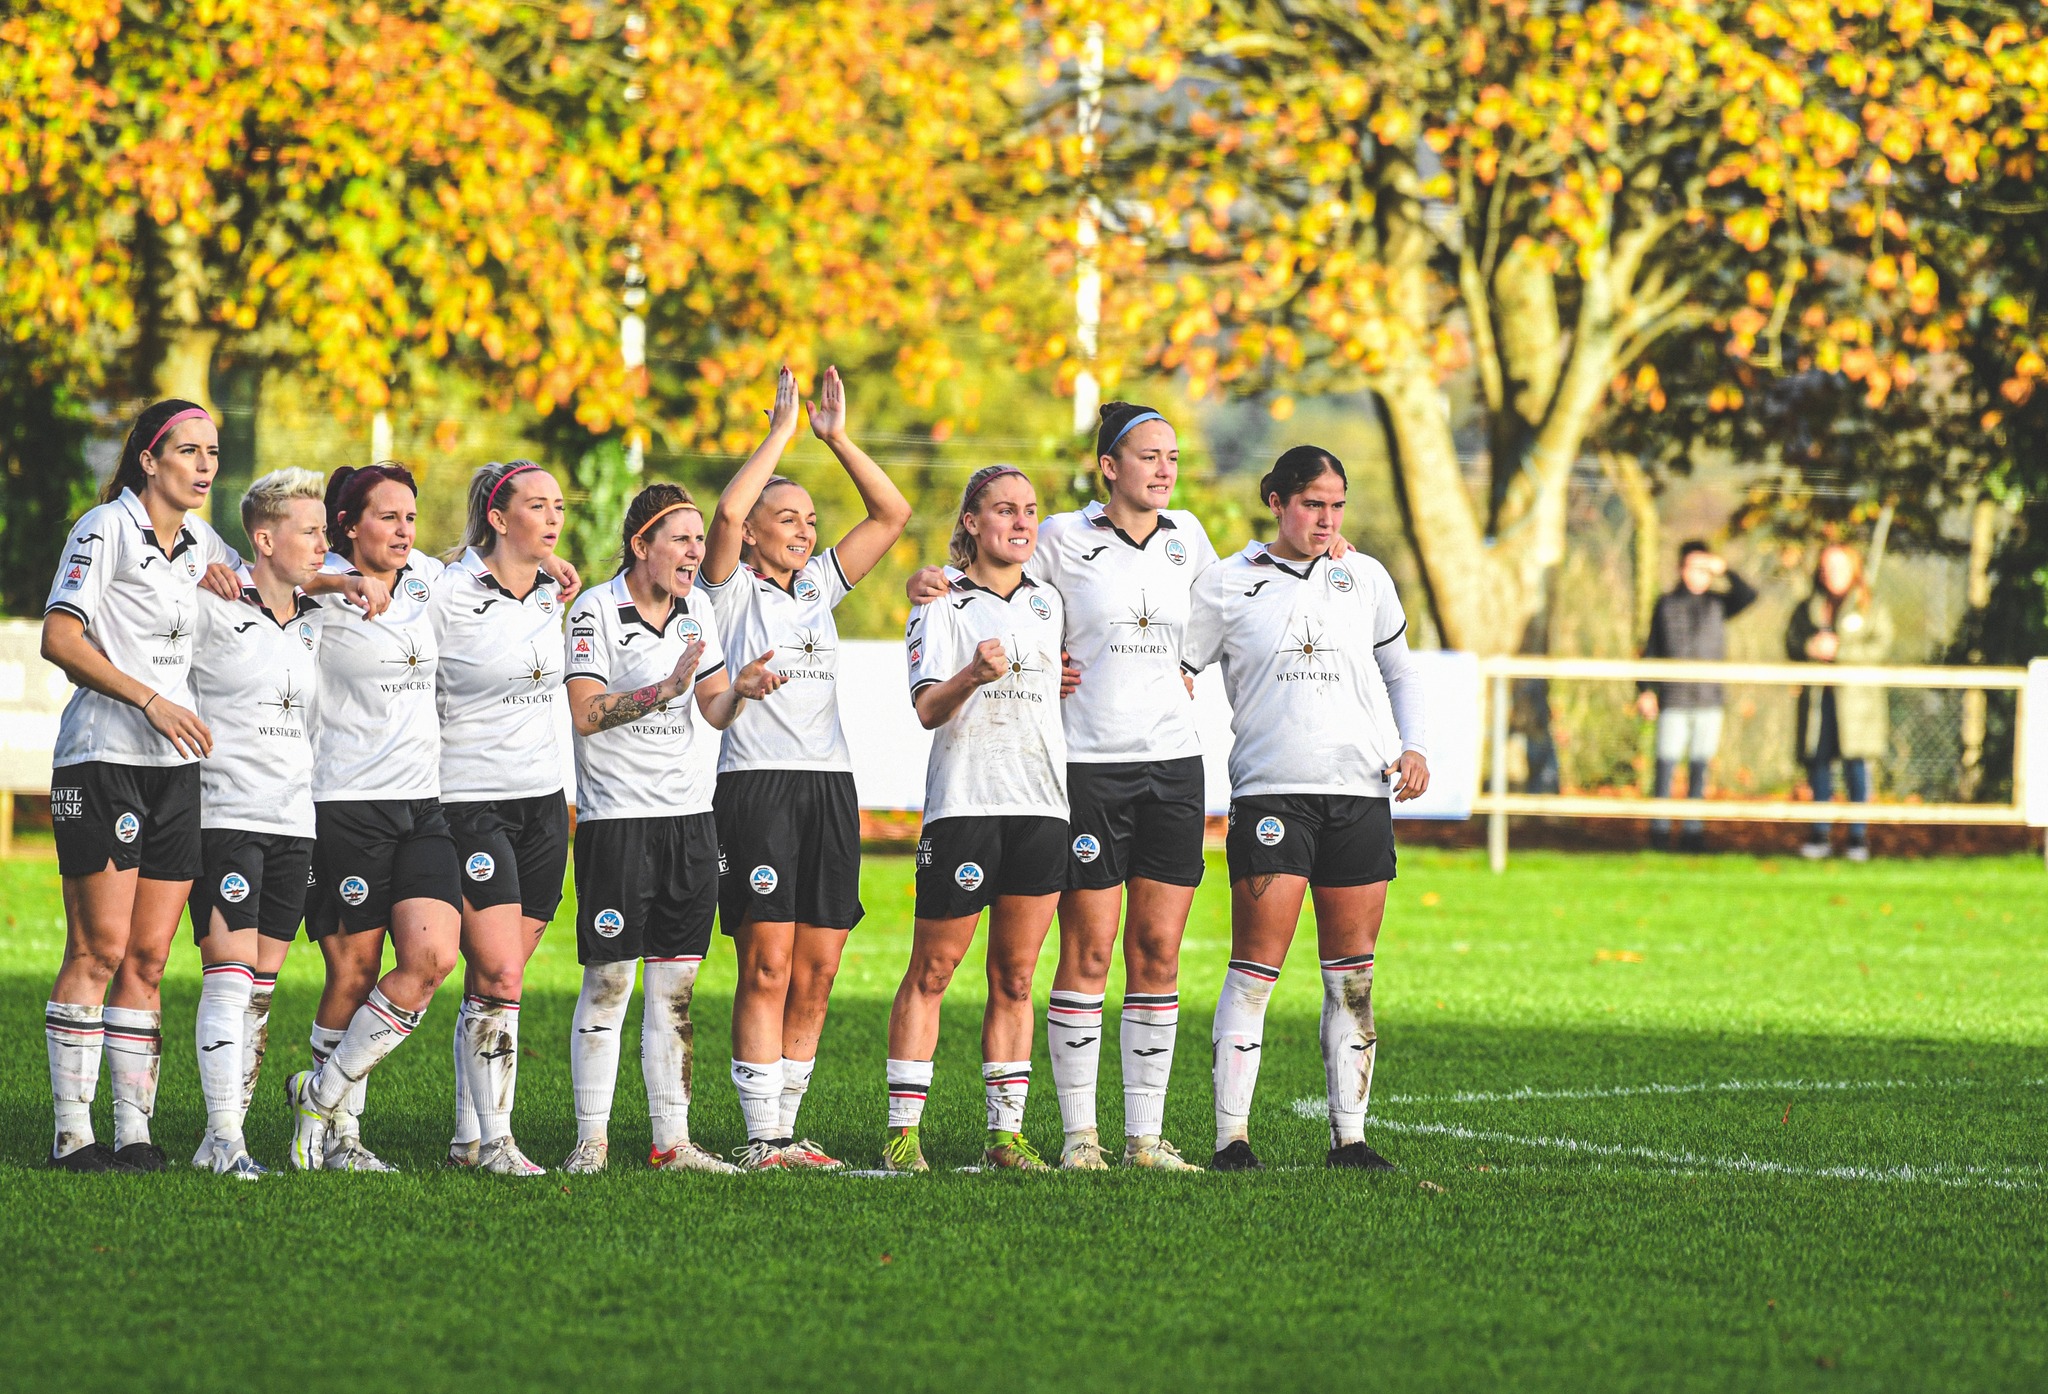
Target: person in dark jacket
x=1690, y=622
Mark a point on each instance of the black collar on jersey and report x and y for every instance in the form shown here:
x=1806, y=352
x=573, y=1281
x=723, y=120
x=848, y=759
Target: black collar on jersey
x=140, y=517
x=1265, y=557
x=964, y=582
x=1098, y=517
x=302, y=605
x=485, y=578
x=629, y=613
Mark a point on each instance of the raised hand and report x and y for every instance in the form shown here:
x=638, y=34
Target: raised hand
x=757, y=679
x=828, y=413
x=567, y=581
x=678, y=682
x=926, y=585
x=991, y=661
x=782, y=418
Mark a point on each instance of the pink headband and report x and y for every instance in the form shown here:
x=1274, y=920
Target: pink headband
x=999, y=472
x=491, y=501
x=186, y=415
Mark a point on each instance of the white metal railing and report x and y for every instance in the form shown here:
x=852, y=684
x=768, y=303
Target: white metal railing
x=1498, y=804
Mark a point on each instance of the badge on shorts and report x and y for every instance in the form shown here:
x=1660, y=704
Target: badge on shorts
x=969, y=875
x=805, y=589
x=1341, y=579
x=416, y=589
x=763, y=879
x=482, y=867
x=1176, y=551
x=1270, y=831
x=234, y=888
x=354, y=890
x=127, y=827
x=608, y=923
x=1041, y=607
x=1086, y=848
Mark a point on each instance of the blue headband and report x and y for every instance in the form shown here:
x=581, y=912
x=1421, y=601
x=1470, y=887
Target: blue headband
x=1140, y=419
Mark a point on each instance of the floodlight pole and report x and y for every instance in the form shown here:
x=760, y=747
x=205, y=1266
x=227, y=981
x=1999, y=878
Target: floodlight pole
x=1088, y=279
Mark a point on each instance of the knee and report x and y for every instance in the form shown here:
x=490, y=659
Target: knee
x=930, y=977
x=765, y=973
x=1009, y=983
x=504, y=981
x=142, y=966
x=433, y=965
x=97, y=965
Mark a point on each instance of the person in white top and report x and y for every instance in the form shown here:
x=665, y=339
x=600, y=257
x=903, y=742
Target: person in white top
x=254, y=675
x=985, y=676
x=788, y=814
x=124, y=793
x=644, y=661
x=1328, y=728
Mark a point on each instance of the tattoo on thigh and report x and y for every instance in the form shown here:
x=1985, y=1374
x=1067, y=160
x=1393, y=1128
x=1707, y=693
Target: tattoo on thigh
x=1259, y=885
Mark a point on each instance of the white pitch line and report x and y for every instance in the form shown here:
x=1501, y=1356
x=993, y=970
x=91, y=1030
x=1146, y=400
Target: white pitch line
x=1726, y=1086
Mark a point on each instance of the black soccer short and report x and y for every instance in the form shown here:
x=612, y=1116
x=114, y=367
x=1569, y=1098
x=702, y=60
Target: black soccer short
x=257, y=881
x=512, y=852
x=963, y=864
x=645, y=887
x=789, y=848
x=1332, y=839
x=144, y=816
x=1140, y=819
x=369, y=854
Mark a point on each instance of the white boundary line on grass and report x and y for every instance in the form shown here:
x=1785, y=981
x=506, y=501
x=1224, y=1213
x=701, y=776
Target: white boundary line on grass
x=1726, y=1086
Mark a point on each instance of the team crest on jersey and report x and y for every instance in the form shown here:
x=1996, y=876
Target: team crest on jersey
x=1087, y=848
x=1340, y=578
x=127, y=827
x=1041, y=607
x=191, y=567
x=1270, y=831
x=805, y=589
x=416, y=589
x=354, y=890
x=969, y=875
x=763, y=879
x=546, y=603
x=481, y=867
x=234, y=888
x=306, y=634
x=689, y=631
x=1176, y=551
x=608, y=924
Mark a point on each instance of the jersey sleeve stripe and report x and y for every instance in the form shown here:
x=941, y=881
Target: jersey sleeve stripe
x=833, y=555
x=68, y=608
x=712, y=671
x=922, y=683
x=1392, y=637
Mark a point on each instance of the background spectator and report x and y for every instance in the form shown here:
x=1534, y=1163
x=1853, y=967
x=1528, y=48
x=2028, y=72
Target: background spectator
x=1840, y=623
x=1690, y=622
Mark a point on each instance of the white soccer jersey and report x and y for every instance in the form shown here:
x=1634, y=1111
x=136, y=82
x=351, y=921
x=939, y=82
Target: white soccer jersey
x=500, y=670
x=253, y=682
x=1004, y=752
x=798, y=727
x=1127, y=612
x=139, y=602
x=376, y=733
x=1301, y=647
x=648, y=768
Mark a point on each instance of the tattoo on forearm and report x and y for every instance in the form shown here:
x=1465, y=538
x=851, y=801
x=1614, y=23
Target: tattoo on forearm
x=618, y=708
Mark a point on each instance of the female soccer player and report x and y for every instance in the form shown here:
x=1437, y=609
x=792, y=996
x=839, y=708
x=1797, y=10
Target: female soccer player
x=124, y=796
x=641, y=651
x=985, y=679
x=254, y=675
x=1326, y=716
x=788, y=815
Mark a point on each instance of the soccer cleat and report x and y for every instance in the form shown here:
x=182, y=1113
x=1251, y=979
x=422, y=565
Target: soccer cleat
x=1010, y=1152
x=461, y=1155
x=141, y=1156
x=1156, y=1154
x=349, y=1154
x=761, y=1156
x=203, y=1158
x=688, y=1156
x=1816, y=849
x=805, y=1155
x=1083, y=1152
x=89, y=1160
x=238, y=1164
x=588, y=1158
x=1237, y=1157
x=309, y=1124
x=1357, y=1155
x=902, y=1153
x=502, y=1157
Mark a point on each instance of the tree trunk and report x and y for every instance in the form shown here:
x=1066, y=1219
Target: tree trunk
x=1632, y=484
x=1983, y=540
x=185, y=343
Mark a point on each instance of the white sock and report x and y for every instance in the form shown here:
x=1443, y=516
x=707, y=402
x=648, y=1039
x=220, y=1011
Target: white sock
x=135, y=1057
x=490, y=1063
x=75, y=1036
x=1073, y=1032
x=379, y=1027
x=1150, y=1023
x=1005, y=1083
x=467, y=1130
x=668, y=1047
x=224, y=990
x=256, y=1033
x=796, y=1082
x=347, y=1123
x=1350, y=1044
x=1237, y=1036
x=324, y=1039
x=594, y=1044
x=910, y=1084
x=760, y=1088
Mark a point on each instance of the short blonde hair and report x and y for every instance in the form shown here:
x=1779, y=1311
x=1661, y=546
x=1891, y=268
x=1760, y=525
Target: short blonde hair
x=269, y=499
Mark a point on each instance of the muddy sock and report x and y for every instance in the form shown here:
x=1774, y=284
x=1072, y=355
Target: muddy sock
x=910, y=1084
x=379, y=1027
x=1349, y=1044
x=594, y=1045
x=75, y=1037
x=256, y=1033
x=1238, y=1037
x=668, y=1047
x=490, y=1063
x=796, y=1082
x=135, y=1055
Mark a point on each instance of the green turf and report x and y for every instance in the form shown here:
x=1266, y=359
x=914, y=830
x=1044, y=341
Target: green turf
x=1871, y=1215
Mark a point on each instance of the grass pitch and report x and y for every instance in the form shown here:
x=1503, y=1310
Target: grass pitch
x=1662, y=1123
